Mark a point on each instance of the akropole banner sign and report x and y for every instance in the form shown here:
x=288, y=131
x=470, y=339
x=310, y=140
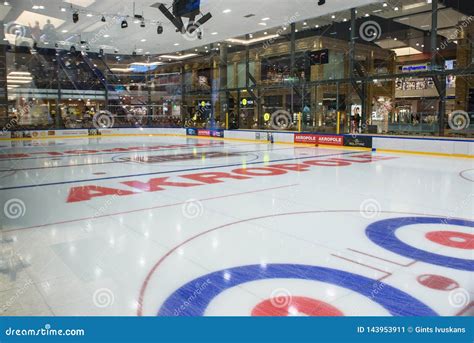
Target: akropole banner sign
x=306, y=138
x=319, y=139
x=330, y=140
x=358, y=141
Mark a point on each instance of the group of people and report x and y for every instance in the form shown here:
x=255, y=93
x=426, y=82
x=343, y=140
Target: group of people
x=47, y=33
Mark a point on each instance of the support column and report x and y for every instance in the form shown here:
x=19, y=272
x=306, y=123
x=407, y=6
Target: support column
x=292, y=49
x=223, y=96
x=3, y=78
x=463, y=84
x=436, y=65
x=58, y=122
x=184, y=112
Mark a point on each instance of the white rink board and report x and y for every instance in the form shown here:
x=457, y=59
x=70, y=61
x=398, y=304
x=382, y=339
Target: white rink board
x=427, y=145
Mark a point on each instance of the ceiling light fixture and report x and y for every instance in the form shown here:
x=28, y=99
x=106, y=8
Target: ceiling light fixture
x=182, y=57
x=251, y=41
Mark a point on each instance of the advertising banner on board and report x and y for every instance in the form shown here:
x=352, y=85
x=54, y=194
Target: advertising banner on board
x=306, y=138
x=358, y=141
x=191, y=132
x=331, y=140
x=5, y=134
x=319, y=139
x=217, y=133
x=65, y=133
x=205, y=133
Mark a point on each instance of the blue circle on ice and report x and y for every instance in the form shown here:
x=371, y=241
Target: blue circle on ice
x=192, y=299
x=383, y=232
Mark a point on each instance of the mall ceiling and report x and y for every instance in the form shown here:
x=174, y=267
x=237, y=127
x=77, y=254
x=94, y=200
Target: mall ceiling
x=231, y=18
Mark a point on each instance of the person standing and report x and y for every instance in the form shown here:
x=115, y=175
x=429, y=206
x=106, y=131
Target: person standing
x=356, y=120
x=36, y=32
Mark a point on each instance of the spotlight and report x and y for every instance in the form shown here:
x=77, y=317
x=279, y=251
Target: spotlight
x=75, y=17
x=124, y=24
x=160, y=29
x=103, y=19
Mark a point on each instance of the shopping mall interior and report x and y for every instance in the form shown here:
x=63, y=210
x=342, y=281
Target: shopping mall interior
x=396, y=67
x=237, y=158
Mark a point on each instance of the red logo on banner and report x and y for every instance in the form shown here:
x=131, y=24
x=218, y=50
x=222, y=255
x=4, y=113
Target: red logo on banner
x=306, y=138
x=331, y=140
x=204, y=133
x=319, y=139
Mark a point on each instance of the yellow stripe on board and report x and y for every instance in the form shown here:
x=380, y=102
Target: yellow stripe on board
x=435, y=154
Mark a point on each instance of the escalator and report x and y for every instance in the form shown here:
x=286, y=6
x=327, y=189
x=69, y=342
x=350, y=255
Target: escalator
x=78, y=73
x=98, y=72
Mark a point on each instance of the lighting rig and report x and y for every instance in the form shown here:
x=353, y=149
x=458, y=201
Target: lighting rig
x=121, y=19
x=185, y=9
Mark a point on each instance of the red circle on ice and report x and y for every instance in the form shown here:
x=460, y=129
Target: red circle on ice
x=437, y=282
x=285, y=306
x=452, y=239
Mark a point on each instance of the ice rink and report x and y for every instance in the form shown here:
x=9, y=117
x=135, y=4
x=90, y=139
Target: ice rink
x=189, y=227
